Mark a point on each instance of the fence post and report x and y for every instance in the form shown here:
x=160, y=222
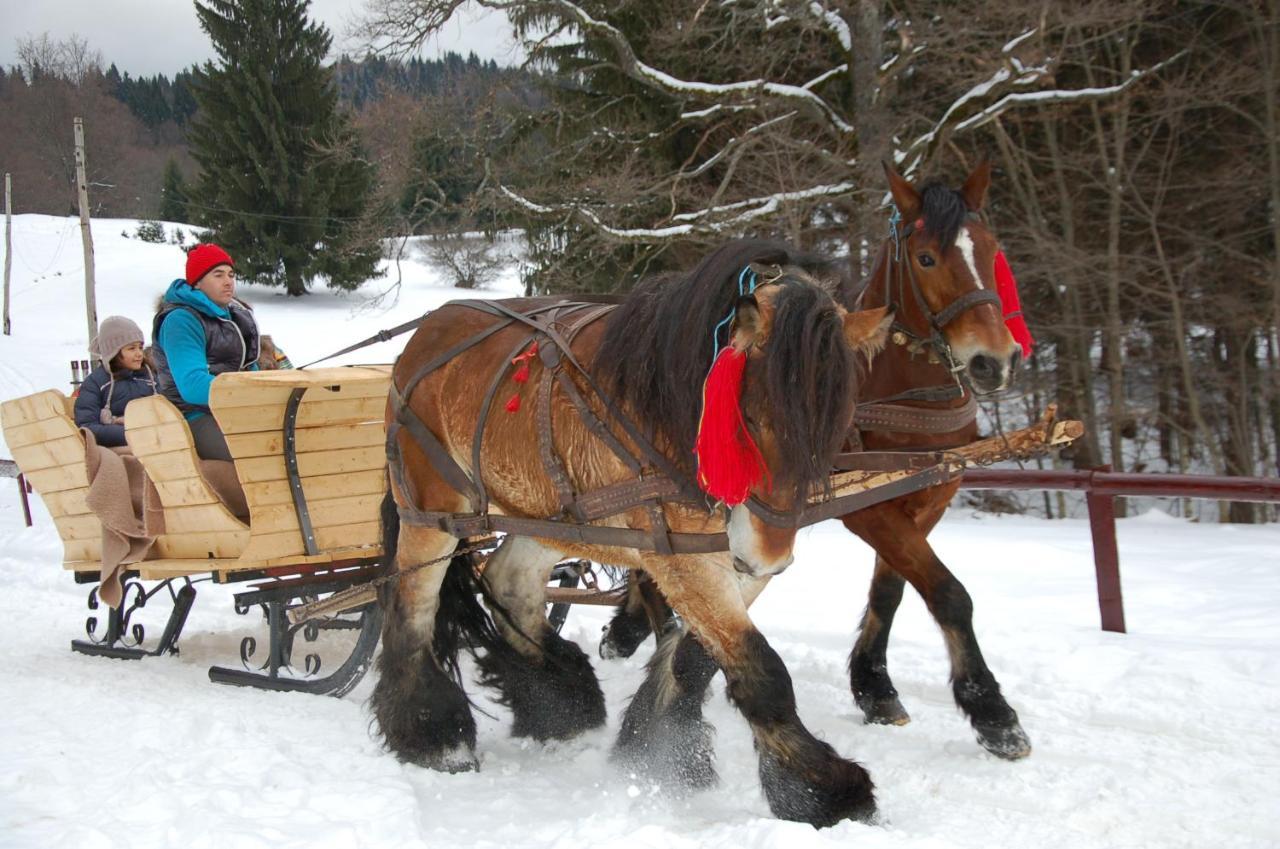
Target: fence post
x=1106, y=556
x=86, y=236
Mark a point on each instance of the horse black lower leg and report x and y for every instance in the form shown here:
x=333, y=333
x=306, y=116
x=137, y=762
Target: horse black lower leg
x=868, y=663
x=975, y=689
x=635, y=619
x=899, y=536
x=546, y=680
x=663, y=733
x=418, y=703
x=803, y=777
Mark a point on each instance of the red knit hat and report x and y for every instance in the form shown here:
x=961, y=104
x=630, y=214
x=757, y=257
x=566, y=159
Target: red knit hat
x=204, y=258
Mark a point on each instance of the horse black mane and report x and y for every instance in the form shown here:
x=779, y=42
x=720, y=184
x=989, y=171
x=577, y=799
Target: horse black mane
x=658, y=348
x=944, y=211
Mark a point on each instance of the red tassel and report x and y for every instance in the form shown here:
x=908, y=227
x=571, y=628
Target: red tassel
x=729, y=461
x=522, y=360
x=1007, y=289
x=514, y=403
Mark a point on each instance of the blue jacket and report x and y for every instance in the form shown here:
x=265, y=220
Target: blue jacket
x=99, y=389
x=196, y=340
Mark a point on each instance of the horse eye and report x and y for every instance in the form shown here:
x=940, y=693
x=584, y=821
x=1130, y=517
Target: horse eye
x=926, y=261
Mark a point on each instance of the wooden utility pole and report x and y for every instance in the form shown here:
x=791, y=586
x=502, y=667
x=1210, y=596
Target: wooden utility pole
x=82, y=188
x=8, y=248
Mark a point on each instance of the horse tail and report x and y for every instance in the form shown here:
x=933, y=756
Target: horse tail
x=461, y=620
x=390, y=516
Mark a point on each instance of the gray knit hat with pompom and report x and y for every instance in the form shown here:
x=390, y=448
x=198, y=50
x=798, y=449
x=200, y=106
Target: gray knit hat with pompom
x=114, y=333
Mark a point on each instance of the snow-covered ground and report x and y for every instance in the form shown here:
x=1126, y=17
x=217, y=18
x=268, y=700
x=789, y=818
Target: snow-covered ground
x=1168, y=736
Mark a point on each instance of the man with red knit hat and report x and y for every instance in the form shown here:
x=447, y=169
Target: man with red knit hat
x=201, y=331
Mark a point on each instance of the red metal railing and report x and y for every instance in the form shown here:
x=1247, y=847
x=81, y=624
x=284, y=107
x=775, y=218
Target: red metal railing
x=1101, y=487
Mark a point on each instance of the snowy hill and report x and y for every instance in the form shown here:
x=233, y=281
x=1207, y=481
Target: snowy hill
x=1167, y=737
x=47, y=299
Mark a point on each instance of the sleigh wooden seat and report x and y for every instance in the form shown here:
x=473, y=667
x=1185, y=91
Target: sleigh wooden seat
x=310, y=453
x=308, y=449
x=47, y=446
x=198, y=526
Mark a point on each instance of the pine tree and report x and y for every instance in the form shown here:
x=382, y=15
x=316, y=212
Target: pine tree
x=282, y=184
x=173, y=203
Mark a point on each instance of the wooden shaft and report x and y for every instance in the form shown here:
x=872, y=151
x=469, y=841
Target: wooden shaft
x=86, y=234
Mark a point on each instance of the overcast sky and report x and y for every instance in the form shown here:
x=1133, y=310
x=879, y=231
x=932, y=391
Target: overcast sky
x=148, y=37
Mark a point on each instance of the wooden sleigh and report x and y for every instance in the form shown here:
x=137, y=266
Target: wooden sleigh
x=310, y=455
x=308, y=449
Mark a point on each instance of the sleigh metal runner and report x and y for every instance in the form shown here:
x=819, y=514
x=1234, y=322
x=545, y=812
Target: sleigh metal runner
x=310, y=452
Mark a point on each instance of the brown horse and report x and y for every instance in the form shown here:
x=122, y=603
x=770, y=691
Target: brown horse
x=651, y=355
x=936, y=269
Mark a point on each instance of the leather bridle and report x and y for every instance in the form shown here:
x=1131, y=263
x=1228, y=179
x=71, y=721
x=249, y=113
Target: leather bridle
x=901, y=276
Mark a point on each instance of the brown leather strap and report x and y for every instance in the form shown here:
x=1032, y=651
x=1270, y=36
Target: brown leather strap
x=900, y=418
x=613, y=499
x=466, y=524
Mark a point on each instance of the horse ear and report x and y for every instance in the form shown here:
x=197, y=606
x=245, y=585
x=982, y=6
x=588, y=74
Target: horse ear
x=746, y=323
x=905, y=196
x=867, y=330
x=975, y=188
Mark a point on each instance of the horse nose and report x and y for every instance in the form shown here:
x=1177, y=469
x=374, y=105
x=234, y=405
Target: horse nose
x=986, y=372
x=1015, y=360
x=747, y=569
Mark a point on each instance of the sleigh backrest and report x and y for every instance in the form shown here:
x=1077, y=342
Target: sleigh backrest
x=48, y=448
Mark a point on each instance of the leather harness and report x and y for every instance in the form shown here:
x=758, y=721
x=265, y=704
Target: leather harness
x=554, y=324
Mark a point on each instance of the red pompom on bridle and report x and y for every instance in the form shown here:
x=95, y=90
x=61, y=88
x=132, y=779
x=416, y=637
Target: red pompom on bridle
x=729, y=461
x=1007, y=289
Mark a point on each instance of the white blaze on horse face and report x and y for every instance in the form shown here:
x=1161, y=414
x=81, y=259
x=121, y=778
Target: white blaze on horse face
x=965, y=243
x=749, y=548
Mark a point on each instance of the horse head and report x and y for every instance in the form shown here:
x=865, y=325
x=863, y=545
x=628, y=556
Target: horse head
x=798, y=389
x=939, y=271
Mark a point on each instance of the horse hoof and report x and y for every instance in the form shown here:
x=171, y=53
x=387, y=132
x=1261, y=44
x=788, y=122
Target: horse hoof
x=611, y=649
x=622, y=637
x=456, y=760
x=679, y=754
x=820, y=794
x=1007, y=742
x=884, y=712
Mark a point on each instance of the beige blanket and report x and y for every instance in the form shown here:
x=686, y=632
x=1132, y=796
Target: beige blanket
x=221, y=477
x=124, y=499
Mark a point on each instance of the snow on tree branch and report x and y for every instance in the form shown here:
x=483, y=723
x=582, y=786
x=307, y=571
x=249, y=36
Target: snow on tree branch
x=1061, y=95
x=712, y=220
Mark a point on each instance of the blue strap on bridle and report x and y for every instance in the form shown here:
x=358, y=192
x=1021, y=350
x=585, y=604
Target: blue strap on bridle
x=747, y=282
x=895, y=218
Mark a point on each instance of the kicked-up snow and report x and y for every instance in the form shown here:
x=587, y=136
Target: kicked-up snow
x=1165, y=737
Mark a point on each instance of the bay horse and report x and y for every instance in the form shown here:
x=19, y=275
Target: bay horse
x=936, y=269
x=651, y=354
